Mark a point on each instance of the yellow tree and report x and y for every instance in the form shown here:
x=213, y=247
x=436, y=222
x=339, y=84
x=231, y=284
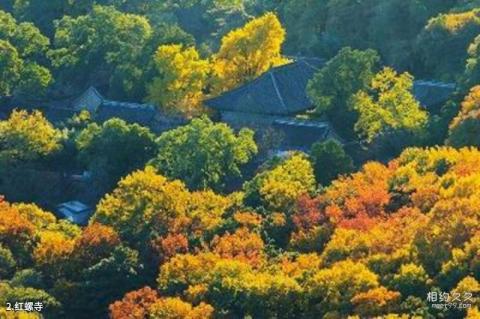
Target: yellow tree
x=182, y=75
x=27, y=136
x=389, y=106
x=465, y=127
x=247, y=52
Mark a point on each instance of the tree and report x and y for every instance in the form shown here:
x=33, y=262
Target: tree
x=204, y=154
x=143, y=204
x=94, y=244
x=465, y=127
x=27, y=137
x=146, y=206
x=329, y=161
x=181, y=81
x=331, y=289
x=10, y=66
x=134, y=304
x=115, y=149
x=334, y=85
x=104, y=37
x=375, y=302
x=305, y=27
x=472, y=69
x=411, y=280
x=452, y=32
x=391, y=105
x=348, y=23
x=23, y=49
x=281, y=186
x=248, y=52
x=242, y=245
x=44, y=13
x=173, y=308
x=51, y=307
x=7, y=263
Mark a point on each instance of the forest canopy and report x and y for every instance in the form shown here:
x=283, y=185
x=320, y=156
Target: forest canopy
x=200, y=159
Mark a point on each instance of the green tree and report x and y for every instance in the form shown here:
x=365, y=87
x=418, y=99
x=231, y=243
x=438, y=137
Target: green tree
x=182, y=77
x=452, y=33
x=472, y=69
x=390, y=105
x=10, y=68
x=98, y=43
x=333, y=86
x=204, y=154
x=305, y=27
x=114, y=149
x=23, y=49
x=130, y=78
x=329, y=161
x=7, y=263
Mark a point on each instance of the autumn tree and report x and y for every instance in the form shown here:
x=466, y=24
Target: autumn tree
x=26, y=137
x=146, y=206
x=279, y=187
x=178, y=88
x=95, y=243
x=242, y=245
x=134, y=304
x=204, y=154
x=465, y=127
x=450, y=32
x=334, y=85
x=143, y=202
x=331, y=290
x=171, y=308
x=247, y=52
x=390, y=105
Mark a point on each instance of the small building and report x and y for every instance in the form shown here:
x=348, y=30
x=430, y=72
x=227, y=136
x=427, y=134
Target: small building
x=103, y=109
x=75, y=211
x=90, y=100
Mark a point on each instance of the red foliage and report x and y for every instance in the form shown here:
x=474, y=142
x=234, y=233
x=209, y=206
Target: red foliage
x=308, y=213
x=14, y=228
x=170, y=245
x=242, y=245
x=96, y=242
x=134, y=305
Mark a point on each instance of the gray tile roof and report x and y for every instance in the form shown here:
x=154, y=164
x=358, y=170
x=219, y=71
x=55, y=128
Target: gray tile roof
x=143, y=114
x=432, y=93
x=90, y=100
x=103, y=109
x=280, y=91
x=302, y=134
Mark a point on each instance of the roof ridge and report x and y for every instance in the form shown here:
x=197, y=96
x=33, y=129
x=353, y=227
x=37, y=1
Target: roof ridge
x=309, y=65
x=274, y=81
